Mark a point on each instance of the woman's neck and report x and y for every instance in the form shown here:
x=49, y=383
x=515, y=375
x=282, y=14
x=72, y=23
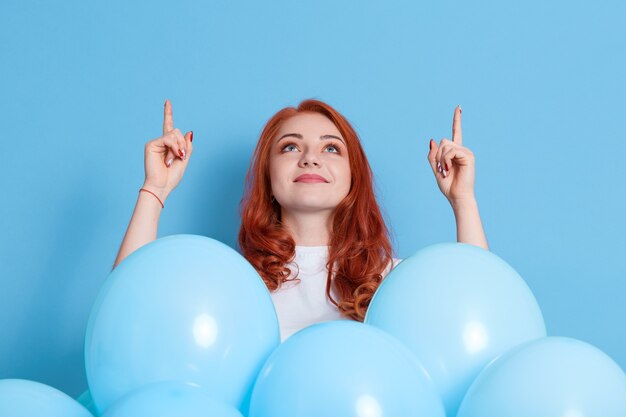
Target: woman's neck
x=308, y=229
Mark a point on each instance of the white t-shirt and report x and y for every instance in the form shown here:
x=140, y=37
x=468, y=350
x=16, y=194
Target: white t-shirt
x=301, y=304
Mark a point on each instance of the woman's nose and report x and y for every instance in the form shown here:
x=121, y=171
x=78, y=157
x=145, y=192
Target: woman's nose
x=309, y=158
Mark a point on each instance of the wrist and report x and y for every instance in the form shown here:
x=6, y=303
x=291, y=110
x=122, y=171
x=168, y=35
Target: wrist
x=463, y=203
x=161, y=192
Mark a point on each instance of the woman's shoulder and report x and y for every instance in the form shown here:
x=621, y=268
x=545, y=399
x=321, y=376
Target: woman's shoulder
x=394, y=262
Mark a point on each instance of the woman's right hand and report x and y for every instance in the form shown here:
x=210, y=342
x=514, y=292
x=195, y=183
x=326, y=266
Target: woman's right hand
x=166, y=158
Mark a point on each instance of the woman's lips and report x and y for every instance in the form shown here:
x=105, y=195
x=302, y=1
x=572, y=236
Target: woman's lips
x=310, y=178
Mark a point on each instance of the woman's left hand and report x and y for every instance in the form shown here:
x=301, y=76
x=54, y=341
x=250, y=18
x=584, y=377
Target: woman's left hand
x=453, y=164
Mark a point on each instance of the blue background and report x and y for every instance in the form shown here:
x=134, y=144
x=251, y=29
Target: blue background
x=82, y=88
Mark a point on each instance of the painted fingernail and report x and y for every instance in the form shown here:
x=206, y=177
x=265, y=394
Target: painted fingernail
x=184, y=154
x=191, y=136
x=460, y=109
x=169, y=163
x=180, y=153
x=438, y=167
x=445, y=173
x=447, y=167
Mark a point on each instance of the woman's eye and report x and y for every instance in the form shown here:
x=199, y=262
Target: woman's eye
x=290, y=147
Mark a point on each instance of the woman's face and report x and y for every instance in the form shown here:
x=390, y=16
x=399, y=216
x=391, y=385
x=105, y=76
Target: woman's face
x=309, y=143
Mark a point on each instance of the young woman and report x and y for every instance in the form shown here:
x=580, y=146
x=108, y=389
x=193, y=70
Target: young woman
x=308, y=204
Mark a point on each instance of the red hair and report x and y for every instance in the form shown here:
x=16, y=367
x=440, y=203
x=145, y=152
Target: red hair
x=359, y=247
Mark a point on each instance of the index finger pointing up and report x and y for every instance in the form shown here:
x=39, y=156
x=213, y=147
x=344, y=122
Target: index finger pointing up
x=457, y=135
x=168, y=118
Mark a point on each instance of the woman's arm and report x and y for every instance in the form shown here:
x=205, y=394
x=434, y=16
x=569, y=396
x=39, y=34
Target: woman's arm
x=165, y=161
x=469, y=228
x=143, y=224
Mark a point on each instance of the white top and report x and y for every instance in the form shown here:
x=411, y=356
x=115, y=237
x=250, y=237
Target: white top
x=301, y=304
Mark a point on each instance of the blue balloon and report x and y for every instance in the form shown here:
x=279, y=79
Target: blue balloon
x=186, y=308
x=343, y=368
x=24, y=398
x=456, y=307
x=170, y=399
x=552, y=376
x=86, y=401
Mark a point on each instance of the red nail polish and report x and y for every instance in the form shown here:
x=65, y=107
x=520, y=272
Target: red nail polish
x=191, y=136
x=430, y=144
x=180, y=153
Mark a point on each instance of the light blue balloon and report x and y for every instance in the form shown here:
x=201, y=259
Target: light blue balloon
x=553, y=376
x=24, y=398
x=170, y=399
x=183, y=307
x=456, y=307
x=86, y=401
x=343, y=368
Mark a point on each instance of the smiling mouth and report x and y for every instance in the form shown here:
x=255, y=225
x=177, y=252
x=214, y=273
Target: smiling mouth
x=311, y=180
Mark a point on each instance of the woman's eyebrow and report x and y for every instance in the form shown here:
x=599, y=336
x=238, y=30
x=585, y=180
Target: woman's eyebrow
x=299, y=136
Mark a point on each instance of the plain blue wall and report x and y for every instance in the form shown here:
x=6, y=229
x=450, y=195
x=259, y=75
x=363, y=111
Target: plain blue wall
x=82, y=89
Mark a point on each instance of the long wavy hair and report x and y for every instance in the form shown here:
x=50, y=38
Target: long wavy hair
x=359, y=246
